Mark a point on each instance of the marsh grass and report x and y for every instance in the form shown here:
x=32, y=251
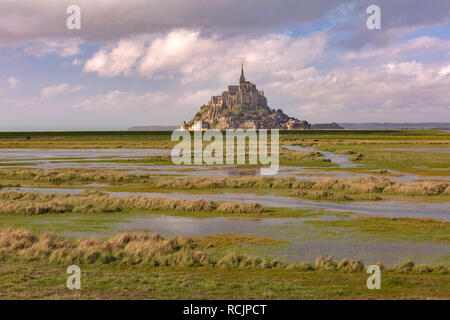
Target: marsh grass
x=59, y=176
x=154, y=250
x=366, y=188
x=123, y=249
x=34, y=203
x=316, y=189
x=355, y=185
x=303, y=158
x=356, y=157
x=19, y=281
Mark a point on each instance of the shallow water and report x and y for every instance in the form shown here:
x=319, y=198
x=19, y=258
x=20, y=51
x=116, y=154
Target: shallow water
x=375, y=208
x=305, y=243
x=385, y=208
x=220, y=171
x=39, y=159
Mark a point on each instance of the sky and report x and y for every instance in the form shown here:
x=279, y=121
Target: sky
x=155, y=62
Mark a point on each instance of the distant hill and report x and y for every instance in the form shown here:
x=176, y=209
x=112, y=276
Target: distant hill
x=397, y=126
x=153, y=128
x=326, y=126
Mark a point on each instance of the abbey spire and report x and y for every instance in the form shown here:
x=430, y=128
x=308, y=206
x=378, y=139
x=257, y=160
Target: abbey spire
x=242, y=72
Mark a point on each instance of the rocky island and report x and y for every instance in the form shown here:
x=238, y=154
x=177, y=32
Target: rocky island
x=242, y=106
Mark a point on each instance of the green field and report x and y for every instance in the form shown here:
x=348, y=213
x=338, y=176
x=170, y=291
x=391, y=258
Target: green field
x=59, y=211
x=43, y=281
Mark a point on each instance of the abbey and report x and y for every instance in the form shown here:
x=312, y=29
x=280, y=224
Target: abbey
x=242, y=106
x=245, y=94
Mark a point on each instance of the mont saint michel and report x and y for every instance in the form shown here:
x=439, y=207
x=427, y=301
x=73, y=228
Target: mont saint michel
x=243, y=106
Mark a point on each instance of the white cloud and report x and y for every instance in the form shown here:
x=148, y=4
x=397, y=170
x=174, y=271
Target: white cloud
x=55, y=90
x=444, y=71
x=387, y=85
x=406, y=91
x=193, y=57
x=13, y=82
x=119, y=60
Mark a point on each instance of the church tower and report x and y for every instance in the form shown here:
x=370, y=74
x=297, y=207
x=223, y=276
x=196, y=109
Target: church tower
x=242, y=79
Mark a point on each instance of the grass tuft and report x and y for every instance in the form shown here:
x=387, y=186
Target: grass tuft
x=34, y=203
x=155, y=250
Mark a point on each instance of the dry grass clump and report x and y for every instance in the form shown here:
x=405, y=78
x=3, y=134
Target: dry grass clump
x=69, y=175
x=364, y=185
x=234, y=260
x=356, y=157
x=233, y=207
x=124, y=249
x=212, y=182
x=447, y=190
x=310, y=156
x=154, y=250
x=304, y=266
x=34, y=203
x=371, y=185
x=327, y=264
x=424, y=188
x=322, y=195
x=358, y=185
x=350, y=265
x=409, y=266
x=404, y=266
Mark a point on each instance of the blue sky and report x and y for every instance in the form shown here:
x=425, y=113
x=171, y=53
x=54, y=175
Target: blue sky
x=155, y=62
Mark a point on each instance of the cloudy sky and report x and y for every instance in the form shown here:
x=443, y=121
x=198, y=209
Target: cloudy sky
x=154, y=62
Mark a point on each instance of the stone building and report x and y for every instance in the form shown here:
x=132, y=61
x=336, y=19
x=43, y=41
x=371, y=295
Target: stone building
x=245, y=94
